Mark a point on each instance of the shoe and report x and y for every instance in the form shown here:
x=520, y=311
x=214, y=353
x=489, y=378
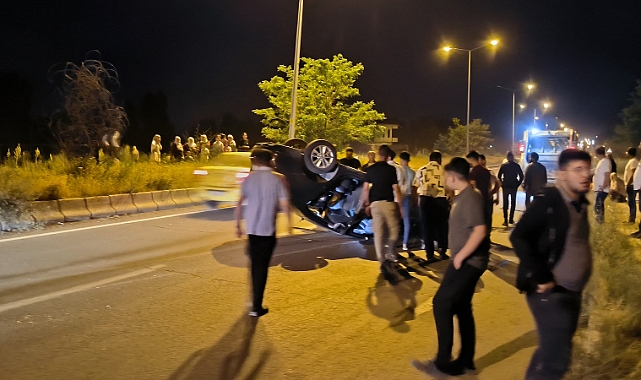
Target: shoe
x=512, y=221
x=636, y=234
x=505, y=223
x=444, y=256
x=258, y=312
x=441, y=371
x=469, y=369
x=391, y=257
x=422, y=245
x=404, y=247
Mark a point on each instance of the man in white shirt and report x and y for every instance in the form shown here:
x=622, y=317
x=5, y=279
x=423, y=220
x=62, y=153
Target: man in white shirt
x=400, y=174
x=407, y=196
x=601, y=183
x=628, y=177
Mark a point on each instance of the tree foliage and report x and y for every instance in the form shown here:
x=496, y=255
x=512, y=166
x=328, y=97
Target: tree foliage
x=454, y=140
x=89, y=110
x=324, y=110
x=628, y=133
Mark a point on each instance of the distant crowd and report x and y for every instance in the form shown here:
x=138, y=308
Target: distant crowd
x=203, y=149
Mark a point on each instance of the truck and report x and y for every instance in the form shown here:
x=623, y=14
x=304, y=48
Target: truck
x=548, y=145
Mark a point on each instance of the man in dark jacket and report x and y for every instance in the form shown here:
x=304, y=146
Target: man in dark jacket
x=552, y=243
x=536, y=177
x=511, y=177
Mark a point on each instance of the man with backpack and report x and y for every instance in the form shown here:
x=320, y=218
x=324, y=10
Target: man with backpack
x=552, y=243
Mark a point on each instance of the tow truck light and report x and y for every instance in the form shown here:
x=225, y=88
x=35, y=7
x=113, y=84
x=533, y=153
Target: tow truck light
x=521, y=147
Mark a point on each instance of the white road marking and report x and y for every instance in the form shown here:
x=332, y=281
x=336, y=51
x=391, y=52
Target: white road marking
x=101, y=226
x=75, y=289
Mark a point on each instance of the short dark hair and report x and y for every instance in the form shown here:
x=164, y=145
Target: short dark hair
x=459, y=166
x=436, y=156
x=349, y=149
x=384, y=150
x=405, y=155
x=632, y=152
x=473, y=155
x=570, y=155
x=509, y=154
x=534, y=156
x=600, y=151
x=261, y=156
x=482, y=157
x=392, y=154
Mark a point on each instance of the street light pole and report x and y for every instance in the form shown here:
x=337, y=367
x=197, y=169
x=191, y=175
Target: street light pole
x=299, y=32
x=513, y=112
x=469, y=87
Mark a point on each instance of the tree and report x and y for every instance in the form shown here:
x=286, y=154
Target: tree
x=628, y=133
x=89, y=110
x=454, y=140
x=324, y=108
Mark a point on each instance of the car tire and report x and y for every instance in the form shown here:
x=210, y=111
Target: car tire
x=320, y=157
x=296, y=144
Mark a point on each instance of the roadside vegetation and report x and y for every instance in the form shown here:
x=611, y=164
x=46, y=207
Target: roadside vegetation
x=609, y=341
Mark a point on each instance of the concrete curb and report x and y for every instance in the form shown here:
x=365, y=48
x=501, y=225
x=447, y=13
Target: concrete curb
x=144, y=202
x=196, y=195
x=181, y=198
x=100, y=207
x=74, y=209
x=163, y=199
x=123, y=204
x=46, y=212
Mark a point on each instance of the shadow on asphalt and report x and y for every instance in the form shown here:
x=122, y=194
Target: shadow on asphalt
x=506, y=350
x=504, y=269
x=225, y=359
x=395, y=303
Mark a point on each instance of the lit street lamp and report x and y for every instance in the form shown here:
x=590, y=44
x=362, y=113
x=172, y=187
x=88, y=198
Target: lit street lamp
x=546, y=105
x=299, y=32
x=529, y=87
x=469, y=79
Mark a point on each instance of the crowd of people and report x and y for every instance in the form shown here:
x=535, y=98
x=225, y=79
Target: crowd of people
x=203, y=149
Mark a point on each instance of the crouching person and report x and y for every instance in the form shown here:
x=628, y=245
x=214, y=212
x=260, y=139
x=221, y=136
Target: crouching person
x=552, y=243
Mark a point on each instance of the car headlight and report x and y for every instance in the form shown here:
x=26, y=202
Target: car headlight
x=200, y=172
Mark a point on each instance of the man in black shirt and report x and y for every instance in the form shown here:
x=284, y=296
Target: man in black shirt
x=350, y=160
x=481, y=178
x=536, y=177
x=511, y=176
x=381, y=199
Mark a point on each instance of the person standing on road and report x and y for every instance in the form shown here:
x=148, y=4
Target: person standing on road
x=433, y=206
x=383, y=198
x=407, y=196
x=349, y=159
x=481, y=178
x=495, y=184
x=511, y=177
x=264, y=192
x=536, y=178
x=628, y=179
x=469, y=246
x=371, y=160
x=601, y=183
x=552, y=243
x=636, y=184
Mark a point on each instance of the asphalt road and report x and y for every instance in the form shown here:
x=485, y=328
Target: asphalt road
x=164, y=296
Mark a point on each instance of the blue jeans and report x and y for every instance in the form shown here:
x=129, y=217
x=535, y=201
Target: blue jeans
x=406, y=218
x=599, y=205
x=632, y=202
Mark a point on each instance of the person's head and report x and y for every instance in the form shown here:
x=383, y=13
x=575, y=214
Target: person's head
x=392, y=154
x=349, y=152
x=405, y=158
x=457, y=173
x=190, y=140
x=600, y=152
x=610, y=156
x=157, y=138
x=177, y=139
x=217, y=137
x=261, y=157
x=574, y=171
x=230, y=137
x=534, y=157
x=473, y=157
x=482, y=160
x=510, y=156
x=384, y=153
x=203, y=138
x=371, y=156
x=245, y=135
x=436, y=156
x=631, y=152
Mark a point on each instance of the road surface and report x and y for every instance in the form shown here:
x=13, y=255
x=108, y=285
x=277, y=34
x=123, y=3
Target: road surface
x=164, y=296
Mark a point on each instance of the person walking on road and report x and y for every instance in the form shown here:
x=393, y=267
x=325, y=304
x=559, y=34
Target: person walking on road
x=601, y=183
x=433, y=206
x=552, y=243
x=536, y=178
x=511, y=177
x=262, y=194
x=382, y=195
x=481, y=179
x=628, y=179
x=350, y=160
x=469, y=246
x=407, y=196
x=636, y=184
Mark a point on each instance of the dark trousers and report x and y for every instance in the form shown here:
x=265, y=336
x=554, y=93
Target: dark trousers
x=599, y=205
x=488, y=210
x=260, y=250
x=454, y=297
x=435, y=214
x=632, y=202
x=556, y=315
x=509, y=192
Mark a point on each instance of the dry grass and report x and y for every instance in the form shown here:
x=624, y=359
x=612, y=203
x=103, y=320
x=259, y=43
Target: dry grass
x=610, y=344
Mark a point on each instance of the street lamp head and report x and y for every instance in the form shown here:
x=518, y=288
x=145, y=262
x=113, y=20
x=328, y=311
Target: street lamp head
x=447, y=48
x=546, y=105
x=530, y=86
x=522, y=106
x=536, y=118
x=494, y=42
x=562, y=125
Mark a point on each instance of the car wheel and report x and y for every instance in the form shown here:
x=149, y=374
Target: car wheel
x=320, y=156
x=296, y=143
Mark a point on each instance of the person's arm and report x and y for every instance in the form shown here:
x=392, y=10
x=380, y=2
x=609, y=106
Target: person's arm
x=501, y=173
x=473, y=242
x=630, y=181
x=399, y=197
x=521, y=176
x=365, y=194
x=285, y=207
x=238, y=215
x=526, y=178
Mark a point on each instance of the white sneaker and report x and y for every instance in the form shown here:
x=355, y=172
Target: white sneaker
x=404, y=247
x=422, y=245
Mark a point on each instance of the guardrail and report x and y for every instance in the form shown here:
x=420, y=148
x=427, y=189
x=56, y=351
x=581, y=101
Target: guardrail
x=75, y=209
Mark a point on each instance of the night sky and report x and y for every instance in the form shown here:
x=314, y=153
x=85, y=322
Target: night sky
x=208, y=56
